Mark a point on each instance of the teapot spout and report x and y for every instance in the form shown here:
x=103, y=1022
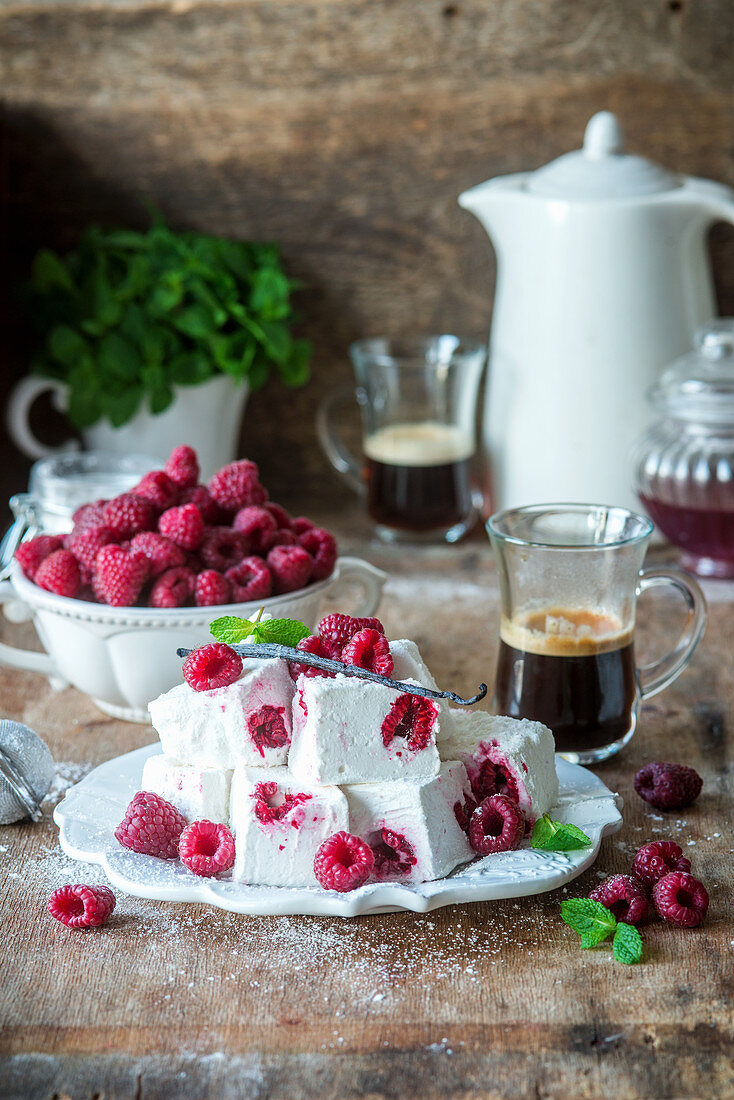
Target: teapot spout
x=490, y=203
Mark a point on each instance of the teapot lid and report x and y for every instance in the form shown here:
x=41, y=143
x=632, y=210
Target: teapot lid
x=601, y=169
x=700, y=385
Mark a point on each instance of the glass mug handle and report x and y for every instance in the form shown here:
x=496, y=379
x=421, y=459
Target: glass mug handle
x=341, y=458
x=658, y=675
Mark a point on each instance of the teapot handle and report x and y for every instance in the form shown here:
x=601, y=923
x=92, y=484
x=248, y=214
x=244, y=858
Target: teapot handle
x=17, y=415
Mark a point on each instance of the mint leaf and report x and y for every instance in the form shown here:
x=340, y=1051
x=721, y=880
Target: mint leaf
x=283, y=631
x=232, y=630
x=558, y=836
x=592, y=920
x=627, y=944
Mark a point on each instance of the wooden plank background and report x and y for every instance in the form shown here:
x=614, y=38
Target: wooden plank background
x=344, y=129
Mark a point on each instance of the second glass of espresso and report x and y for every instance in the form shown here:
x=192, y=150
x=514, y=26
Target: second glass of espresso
x=418, y=399
x=569, y=579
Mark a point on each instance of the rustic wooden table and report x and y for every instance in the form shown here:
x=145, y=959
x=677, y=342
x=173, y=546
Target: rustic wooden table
x=484, y=1000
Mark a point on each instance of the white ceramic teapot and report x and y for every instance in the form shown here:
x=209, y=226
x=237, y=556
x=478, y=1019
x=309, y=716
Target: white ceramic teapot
x=603, y=278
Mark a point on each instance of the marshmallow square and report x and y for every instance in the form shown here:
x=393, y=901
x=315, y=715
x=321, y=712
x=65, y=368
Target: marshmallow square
x=248, y=722
x=411, y=824
x=347, y=730
x=199, y=793
x=279, y=824
x=505, y=756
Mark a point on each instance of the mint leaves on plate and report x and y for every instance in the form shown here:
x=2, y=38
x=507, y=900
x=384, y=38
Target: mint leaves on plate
x=557, y=836
x=232, y=630
x=595, y=923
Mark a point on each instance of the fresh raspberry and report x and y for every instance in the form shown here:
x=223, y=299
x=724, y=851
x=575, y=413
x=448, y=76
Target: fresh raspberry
x=369, y=649
x=343, y=863
x=158, y=488
x=625, y=896
x=183, y=467
x=215, y=665
x=680, y=899
x=657, y=859
x=89, y=515
x=173, y=588
x=491, y=778
x=281, y=517
x=321, y=545
x=237, y=486
x=497, y=825
x=183, y=525
x=668, y=786
x=320, y=647
x=206, y=848
x=393, y=854
x=281, y=537
x=222, y=548
x=257, y=525
x=340, y=628
x=158, y=551
x=59, y=573
x=301, y=524
x=119, y=576
x=463, y=812
x=212, y=588
x=290, y=568
x=250, y=580
x=151, y=826
x=267, y=728
x=198, y=495
x=82, y=906
x=412, y=717
x=272, y=804
x=128, y=514
x=31, y=554
x=86, y=545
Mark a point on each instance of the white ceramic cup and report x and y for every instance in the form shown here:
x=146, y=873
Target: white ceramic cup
x=125, y=656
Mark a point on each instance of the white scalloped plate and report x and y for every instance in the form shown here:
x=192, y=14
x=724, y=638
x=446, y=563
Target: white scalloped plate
x=90, y=811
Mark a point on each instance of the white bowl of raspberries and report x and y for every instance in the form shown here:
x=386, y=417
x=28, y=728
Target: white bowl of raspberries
x=145, y=573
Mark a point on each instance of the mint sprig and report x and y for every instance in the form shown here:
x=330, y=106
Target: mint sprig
x=627, y=944
x=594, y=923
x=232, y=630
x=558, y=836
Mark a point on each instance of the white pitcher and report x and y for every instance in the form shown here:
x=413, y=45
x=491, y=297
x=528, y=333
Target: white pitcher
x=603, y=277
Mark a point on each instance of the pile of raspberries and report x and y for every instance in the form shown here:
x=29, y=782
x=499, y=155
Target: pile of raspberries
x=173, y=542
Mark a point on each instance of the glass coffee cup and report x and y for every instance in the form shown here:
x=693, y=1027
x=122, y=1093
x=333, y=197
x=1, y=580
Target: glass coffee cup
x=418, y=399
x=569, y=578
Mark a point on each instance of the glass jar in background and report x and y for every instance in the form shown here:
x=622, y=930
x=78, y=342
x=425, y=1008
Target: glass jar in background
x=684, y=463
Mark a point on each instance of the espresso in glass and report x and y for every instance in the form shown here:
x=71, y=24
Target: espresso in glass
x=572, y=669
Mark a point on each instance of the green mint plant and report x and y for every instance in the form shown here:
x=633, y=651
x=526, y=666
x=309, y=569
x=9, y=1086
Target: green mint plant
x=126, y=316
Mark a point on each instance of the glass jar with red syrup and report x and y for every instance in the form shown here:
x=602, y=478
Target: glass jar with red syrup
x=684, y=464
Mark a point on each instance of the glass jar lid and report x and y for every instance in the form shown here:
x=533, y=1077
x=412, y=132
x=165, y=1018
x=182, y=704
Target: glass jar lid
x=700, y=385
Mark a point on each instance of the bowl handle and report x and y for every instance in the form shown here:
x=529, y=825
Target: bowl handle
x=353, y=572
x=26, y=659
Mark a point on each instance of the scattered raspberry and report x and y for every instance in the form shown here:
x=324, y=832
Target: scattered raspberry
x=290, y=568
x=680, y=899
x=321, y=545
x=86, y=545
x=343, y=863
x=158, y=551
x=491, y=778
x=215, y=665
x=89, y=515
x=183, y=467
x=340, y=628
x=151, y=826
x=82, y=906
x=281, y=517
x=256, y=525
x=158, y=488
x=118, y=576
x=497, y=825
x=59, y=573
x=624, y=896
x=463, y=812
x=206, y=848
x=657, y=859
x=272, y=804
x=393, y=854
x=31, y=554
x=267, y=728
x=320, y=647
x=198, y=495
x=183, y=525
x=222, y=548
x=301, y=524
x=237, y=486
x=369, y=649
x=173, y=588
x=212, y=588
x=668, y=786
x=128, y=514
x=250, y=580
x=412, y=717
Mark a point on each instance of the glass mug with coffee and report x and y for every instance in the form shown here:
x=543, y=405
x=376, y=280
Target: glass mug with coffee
x=418, y=399
x=569, y=579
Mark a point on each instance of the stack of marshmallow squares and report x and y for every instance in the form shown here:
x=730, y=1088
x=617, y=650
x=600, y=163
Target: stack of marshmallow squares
x=287, y=763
